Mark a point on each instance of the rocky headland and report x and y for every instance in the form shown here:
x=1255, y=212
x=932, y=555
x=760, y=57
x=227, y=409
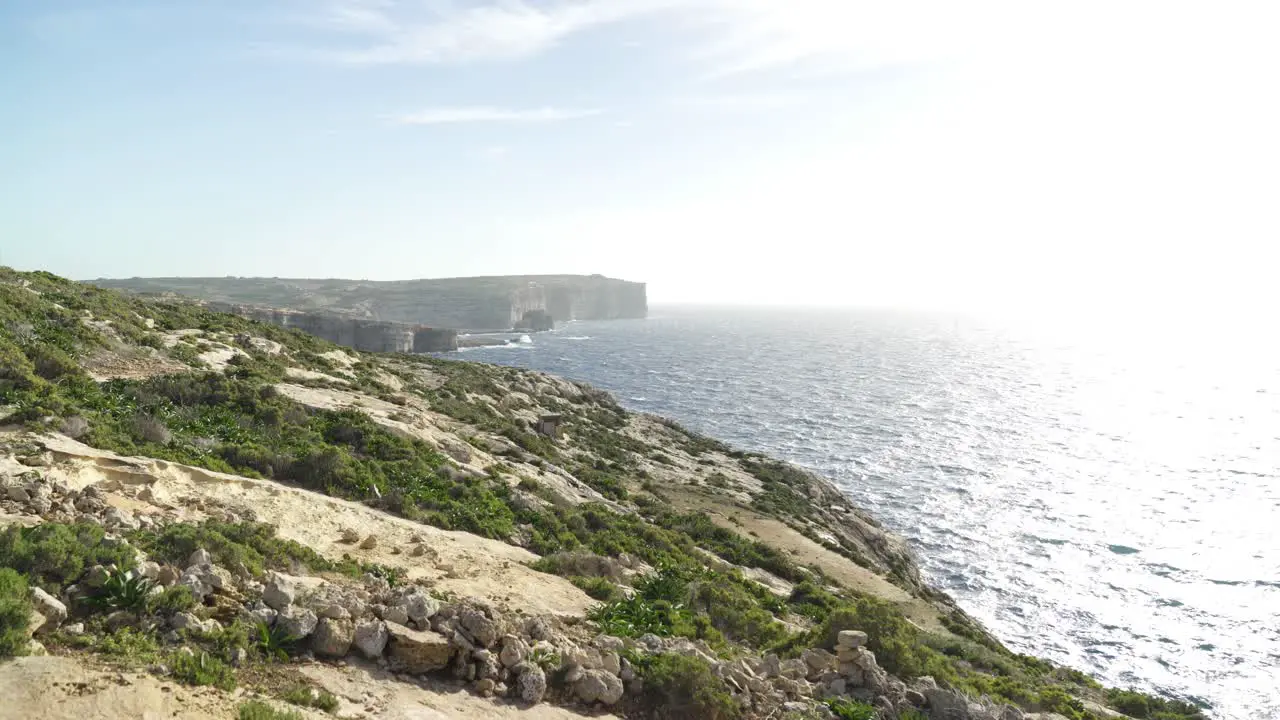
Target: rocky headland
x=206, y=516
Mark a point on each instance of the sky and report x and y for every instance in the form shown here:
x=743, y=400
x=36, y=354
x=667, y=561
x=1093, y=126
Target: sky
x=920, y=153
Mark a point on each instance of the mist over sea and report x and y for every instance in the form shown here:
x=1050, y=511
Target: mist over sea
x=1107, y=500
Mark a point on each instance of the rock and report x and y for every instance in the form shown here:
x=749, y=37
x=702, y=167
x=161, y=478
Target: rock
x=350, y=536
x=611, y=662
x=200, y=557
x=369, y=542
x=397, y=615
x=598, y=685
x=117, y=518
x=627, y=673
x=946, y=705
x=279, y=592
x=185, y=621
x=837, y=686
x=417, y=651
x=851, y=639
x=332, y=637
x=483, y=630
x=771, y=666
x=915, y=697
x=485, y=686
x=486, y=664
x=239, y=657
x=531, y=682
x=263, y=615
x=818, y=660
x=417, y=605
x=297, y=622
x=370, y=638
x=538, y=628
x=41, y=460
x=573, y=673
x=96, y=577
x=121, y=619
x=18, y=494
x=1101, y=711
x=50, y=607
x=333, y=611
x=513, y=651
x=167, y=576
x=149, y=569
x=418, y=551
x=35, y=621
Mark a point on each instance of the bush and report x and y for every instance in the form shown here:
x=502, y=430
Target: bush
x=846, y=709
x=171, y=600
x=122, y=591
x=258, y=710
x=272, y=641
x=597, y=587
x=684, y=688
x=53, y=555
x=253, y=545
x=15, y=613
x=896, y=643
x=202, y=669
x=1147, y=707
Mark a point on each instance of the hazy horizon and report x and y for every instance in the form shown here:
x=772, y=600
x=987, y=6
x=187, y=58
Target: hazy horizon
x=995, y=156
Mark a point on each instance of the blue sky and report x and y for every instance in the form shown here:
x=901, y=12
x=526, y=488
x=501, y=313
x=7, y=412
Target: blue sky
x=808, y=151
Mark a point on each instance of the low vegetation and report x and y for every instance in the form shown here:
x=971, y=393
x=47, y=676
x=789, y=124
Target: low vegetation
x=15, y=613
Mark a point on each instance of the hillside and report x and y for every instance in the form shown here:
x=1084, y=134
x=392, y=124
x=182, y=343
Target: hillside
x=479, y=303
x=204, y=516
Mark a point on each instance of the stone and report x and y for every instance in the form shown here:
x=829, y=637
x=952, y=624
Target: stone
x=35, y=621
x=263, y=615
x=121, y=619
x=486, y=664
x=149, y=569
x=332, y=637
x=185, y=621
x=96, y=577
x=117, y=518
x=771, y=666
x=483, y=630
x=417, y=651
x=851, y=639
x=418, y=551
x=531, y=682
x=485, y=686
x=18, y=494
x=370, y=638
x=279, y=591
x=369, y=542
x=573, y=673
x=167, y=576
x=915, y=697
x=200, y=557
x=538, y=628
x=397, y=615
x=611, y=662
x=513, y=651
x=333, y=611
x=598, y=686
x=73, y=629
x=296, y=622
x=53, y=610
x=350, y=536
x=837, y=686
x=626, y=673
x=946, y=705
x=417, y=605
x=239, y=657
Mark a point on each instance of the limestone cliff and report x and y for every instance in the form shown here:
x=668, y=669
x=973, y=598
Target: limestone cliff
x=480, y=303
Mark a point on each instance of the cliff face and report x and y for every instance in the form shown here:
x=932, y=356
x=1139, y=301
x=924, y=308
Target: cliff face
x=367, y=335
x=482, y=303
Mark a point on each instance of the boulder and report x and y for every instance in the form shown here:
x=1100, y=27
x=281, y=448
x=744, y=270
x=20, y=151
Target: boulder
x=611, y=662
x=531, y=682
x=297, y=622
x=96, y=577
x=417, y=651
x=513, y=651
x=598, y=685
x=397, y=615
x=946, y=705
x=167, y=576
x=200, y=557
x=50, y=607
x=851, y=639
x=416, y=604
x=479, y=627
x=332, y=637
x=18, y=494
x=279, y=591
x=370, y=638
x=369, y=542
x=350, y=536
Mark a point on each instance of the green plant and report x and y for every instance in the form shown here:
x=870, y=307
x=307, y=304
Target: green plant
x=201, y=668
x=1146, y=707
x=897, y=644
x=846, y=709
x=122, y=591
x=173, y=599
x=54, y=555
x=127, y=645
x=15, y=613
x=597, y=587
x=258, y=710
x=306, y=696
x=273, y=642
x=684, y=688
x=546, y=659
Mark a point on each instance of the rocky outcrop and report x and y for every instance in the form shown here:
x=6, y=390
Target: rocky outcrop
x=357, y=333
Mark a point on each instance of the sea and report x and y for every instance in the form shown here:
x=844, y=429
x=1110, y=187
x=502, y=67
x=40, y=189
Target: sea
x=1105, y=495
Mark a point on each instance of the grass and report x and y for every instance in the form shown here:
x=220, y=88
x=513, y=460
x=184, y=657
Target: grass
x=846, y=709
x=202, y=669
x=306, y=696
x=54, y=555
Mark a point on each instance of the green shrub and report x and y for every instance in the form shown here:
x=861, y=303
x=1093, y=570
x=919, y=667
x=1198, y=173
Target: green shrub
x=127, y=645
x=53, y=555
x=305, y=696
x=1147, y=707
x=253, y=545
x=272, y=641
x=258, y=710
x=846, y=709
x=15, y=613
x=202, y=669
x=171, y=600
x=684, y=688
x=896, y=643
x=597, y=587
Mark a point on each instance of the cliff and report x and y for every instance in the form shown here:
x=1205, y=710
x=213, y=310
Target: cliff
x=479, y=303
x=366, y=335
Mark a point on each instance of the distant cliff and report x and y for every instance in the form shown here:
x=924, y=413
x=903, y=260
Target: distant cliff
x=479, y=303
x=367, y=335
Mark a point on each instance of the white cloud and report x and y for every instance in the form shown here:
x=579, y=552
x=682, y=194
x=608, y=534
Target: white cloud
x=480, y=114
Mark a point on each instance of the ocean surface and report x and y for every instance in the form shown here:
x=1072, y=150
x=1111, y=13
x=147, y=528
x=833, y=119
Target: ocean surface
x=1108, y=500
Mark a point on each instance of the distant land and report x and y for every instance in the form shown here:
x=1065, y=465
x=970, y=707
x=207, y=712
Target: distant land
x=476, y=303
